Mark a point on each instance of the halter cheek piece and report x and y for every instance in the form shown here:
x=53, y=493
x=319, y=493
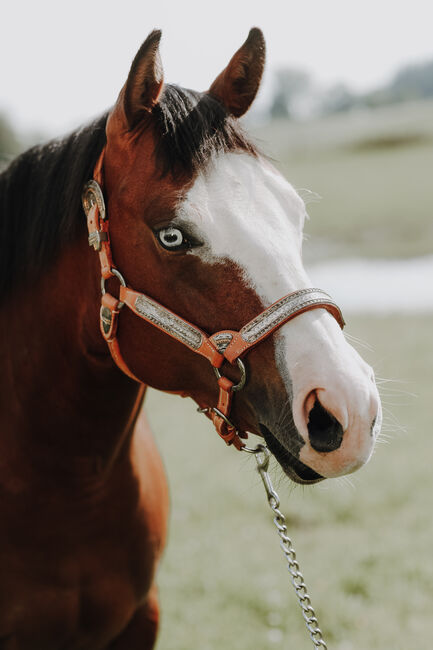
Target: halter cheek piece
x=225, y=345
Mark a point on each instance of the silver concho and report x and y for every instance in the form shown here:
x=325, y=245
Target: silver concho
x=92, y=195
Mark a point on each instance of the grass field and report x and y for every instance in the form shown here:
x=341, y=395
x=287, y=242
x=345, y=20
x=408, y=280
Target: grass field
x=364, y=546
x=373, y=172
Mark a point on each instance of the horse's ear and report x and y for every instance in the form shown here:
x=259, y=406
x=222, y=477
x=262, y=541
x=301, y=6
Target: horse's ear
x=145, y=79
x=237, y=85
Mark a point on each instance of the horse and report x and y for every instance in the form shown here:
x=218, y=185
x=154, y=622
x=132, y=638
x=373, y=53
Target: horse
x=195, y=245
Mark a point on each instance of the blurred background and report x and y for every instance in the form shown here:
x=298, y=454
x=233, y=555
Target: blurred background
x=346, y=111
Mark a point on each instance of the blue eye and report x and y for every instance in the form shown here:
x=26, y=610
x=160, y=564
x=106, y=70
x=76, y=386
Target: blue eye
x=171, y=238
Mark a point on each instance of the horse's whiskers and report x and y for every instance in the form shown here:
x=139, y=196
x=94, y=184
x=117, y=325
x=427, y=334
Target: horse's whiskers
x=346, y=482
x=285, y=416
x=357, y=341
x=381, y=440
x=390, y=424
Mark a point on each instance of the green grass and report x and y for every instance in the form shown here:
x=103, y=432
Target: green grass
x=373, y=172
x=365, y=549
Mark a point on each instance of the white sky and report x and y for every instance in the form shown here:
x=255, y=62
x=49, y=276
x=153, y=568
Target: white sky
x=64, y=62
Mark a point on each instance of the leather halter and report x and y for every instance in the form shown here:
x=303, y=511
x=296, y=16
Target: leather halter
x=227, y=345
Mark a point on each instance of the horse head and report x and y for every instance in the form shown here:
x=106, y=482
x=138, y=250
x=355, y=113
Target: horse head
x=205, y=225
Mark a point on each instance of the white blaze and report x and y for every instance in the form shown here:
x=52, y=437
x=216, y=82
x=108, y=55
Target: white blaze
x=245, y=211
x=248, y=213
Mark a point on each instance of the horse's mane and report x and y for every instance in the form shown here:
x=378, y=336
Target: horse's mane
x=40, y=199
x=40, y=191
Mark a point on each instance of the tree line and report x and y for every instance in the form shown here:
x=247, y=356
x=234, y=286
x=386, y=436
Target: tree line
x=295, y=93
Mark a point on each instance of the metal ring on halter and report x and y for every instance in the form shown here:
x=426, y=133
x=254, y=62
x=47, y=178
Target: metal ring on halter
x=224, y=417
x=242, y=380
x=256, y=450
x=263, y=456
x=121, y=279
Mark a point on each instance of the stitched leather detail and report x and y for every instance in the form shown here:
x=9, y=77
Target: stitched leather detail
x=282, y=310
x=118, y=359
x=277, y=315
x=208, y=350
x=169, y=322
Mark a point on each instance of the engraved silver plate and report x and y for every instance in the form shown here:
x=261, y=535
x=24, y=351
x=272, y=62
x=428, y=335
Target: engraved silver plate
x=281, y=311
x=222, y=340
x=170, y=323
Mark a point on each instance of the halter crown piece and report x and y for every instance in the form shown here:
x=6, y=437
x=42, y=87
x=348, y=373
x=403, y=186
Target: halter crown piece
x=225, y=345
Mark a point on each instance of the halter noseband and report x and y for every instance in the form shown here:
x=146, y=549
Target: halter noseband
x=224, y=345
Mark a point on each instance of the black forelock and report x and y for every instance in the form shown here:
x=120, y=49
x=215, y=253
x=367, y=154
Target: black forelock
x=191, y=127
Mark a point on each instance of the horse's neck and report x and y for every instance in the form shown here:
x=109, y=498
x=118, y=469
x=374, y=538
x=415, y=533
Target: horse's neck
x=62, y=397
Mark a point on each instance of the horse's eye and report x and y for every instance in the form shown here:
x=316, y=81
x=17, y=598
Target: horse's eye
x=172, y=238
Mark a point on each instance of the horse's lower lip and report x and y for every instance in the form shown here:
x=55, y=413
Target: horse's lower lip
x=292, y=466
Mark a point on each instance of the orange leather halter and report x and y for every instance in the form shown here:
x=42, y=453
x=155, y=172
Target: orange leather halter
x=227, y=345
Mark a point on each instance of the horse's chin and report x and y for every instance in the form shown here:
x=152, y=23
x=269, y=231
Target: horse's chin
x=292, y=466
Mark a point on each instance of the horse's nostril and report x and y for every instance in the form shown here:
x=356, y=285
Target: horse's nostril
x=325, y=431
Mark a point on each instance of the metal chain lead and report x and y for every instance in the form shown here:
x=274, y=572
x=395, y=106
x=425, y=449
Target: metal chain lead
x=262, y=456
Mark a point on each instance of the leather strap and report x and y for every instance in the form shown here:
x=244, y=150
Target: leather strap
x=272, y=318
x=108, y=321
x=224, y=428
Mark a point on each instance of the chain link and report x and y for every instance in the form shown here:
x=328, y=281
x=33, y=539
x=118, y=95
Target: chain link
x=262, y=456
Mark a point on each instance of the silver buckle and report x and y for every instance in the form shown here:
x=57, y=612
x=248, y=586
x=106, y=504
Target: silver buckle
x=96, y=238
x=206, y=410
